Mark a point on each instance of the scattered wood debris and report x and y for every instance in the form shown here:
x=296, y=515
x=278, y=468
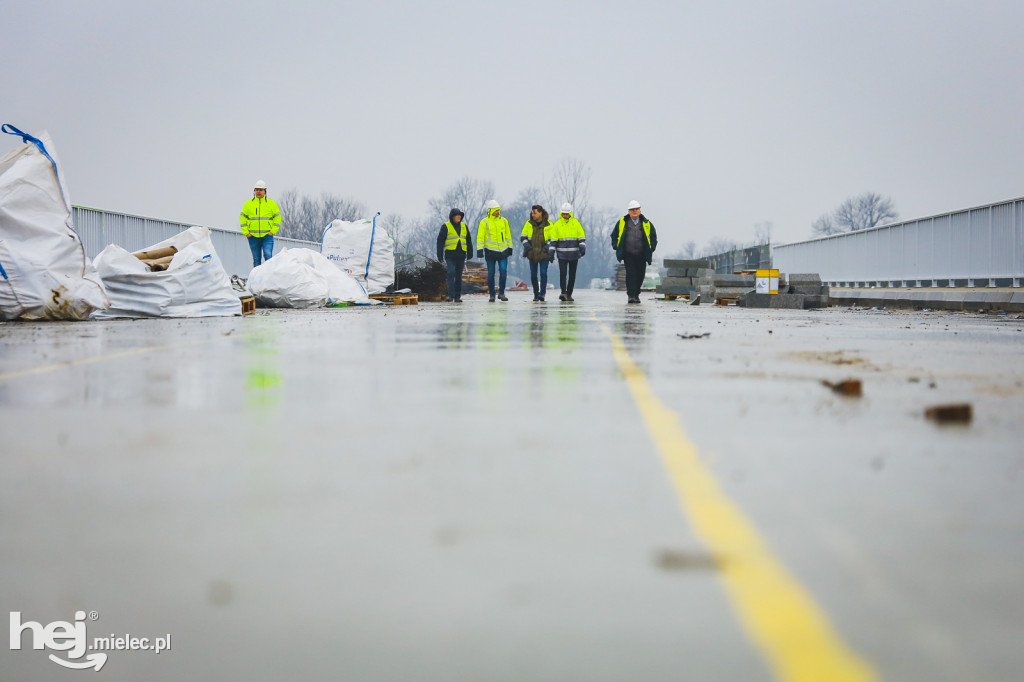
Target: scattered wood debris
x=960, y=413
x=850, y=388
x=157, y=259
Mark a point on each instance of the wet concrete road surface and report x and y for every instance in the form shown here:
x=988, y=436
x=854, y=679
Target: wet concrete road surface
x=518, y=492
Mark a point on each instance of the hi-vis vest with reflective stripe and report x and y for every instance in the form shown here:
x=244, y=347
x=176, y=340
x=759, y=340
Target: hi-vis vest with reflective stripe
x=456, y=240
x=260, y=217
x=494, y=236
x=622, y=231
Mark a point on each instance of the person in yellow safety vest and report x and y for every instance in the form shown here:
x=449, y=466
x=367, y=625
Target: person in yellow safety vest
x=570, y=244
x=261, y=219
x=536, y=238
x=634, y=240
x=454, y=248
x=494, y=243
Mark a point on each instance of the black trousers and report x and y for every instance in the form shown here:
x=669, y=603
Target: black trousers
x=567, y=275
x=636, y=270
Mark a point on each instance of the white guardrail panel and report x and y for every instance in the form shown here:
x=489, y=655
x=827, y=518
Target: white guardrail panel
x=99, y=228
x=972, y=247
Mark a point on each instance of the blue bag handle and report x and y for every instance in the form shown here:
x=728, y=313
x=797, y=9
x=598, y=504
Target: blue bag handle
x=25, y=137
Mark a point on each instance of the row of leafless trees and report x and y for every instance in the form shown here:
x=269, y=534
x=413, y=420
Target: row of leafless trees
x=305, y=217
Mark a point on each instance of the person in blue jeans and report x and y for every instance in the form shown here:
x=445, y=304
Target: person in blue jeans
x=454, y=247
x=261, y=219
x=494, y=242
x=537, y=247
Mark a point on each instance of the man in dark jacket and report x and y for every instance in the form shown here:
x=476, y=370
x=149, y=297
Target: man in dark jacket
x=454, y=247
x=634, y=240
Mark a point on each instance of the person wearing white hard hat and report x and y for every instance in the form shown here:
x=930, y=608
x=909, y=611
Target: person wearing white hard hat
x=261, y=219
x=569, y=244
x=634, y=240
x=494, y=245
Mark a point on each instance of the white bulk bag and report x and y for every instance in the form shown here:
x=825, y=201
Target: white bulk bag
x=193, y=285
x=44, y=272
x=363, y=250
x=302, y=278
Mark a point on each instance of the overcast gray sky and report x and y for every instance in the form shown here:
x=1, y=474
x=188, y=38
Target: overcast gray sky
x=715, y=115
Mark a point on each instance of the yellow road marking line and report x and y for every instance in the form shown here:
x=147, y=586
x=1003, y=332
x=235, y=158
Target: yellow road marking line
x=98, y=358
x=779, y=615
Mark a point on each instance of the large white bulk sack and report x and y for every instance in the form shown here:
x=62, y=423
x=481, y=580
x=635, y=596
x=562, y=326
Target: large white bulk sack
x=302, y=278
x=363, y=250
x=44, y=272
x=193, y=285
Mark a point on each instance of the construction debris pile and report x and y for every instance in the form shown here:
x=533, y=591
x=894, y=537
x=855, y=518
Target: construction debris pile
x=474, y=278
x=429, y=282
x=179, y=277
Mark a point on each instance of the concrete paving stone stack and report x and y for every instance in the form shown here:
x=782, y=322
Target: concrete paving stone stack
x=802, y=291
x=733, y=286
x=620, y=277
x=808, y=284
x=684, y=277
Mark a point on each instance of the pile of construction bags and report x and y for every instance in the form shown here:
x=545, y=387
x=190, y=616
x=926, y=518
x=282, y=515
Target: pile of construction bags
x=45, y=273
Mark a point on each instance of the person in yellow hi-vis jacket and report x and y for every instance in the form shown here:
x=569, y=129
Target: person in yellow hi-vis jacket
x=261, y=219
x=570, y=244
x=494, y=243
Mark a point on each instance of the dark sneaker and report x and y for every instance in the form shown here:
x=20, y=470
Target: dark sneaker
x=568, y=298
x=502, y=297
x=458, y=300
x=561, y=297
x=491, y=299
x=541, y=299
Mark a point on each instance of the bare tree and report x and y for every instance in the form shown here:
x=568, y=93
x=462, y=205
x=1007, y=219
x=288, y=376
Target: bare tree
x=718, y=245
x=306, y=217
x=763, y=232
x=824, y=225
x=874, y=209
x=570, y=181
x=856, y=213
x=467, y=194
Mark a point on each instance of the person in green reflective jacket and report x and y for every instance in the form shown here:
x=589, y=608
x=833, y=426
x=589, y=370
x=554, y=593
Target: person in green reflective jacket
x=494, y=244
x=261, y=219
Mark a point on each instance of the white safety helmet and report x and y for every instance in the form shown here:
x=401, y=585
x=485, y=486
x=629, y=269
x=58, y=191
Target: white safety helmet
x=633, y=204
x=260, y=185
x=566, y=208
x=492, y=204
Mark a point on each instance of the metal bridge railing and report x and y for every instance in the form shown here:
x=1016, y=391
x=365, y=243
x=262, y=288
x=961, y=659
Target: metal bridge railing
x=982, y=246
